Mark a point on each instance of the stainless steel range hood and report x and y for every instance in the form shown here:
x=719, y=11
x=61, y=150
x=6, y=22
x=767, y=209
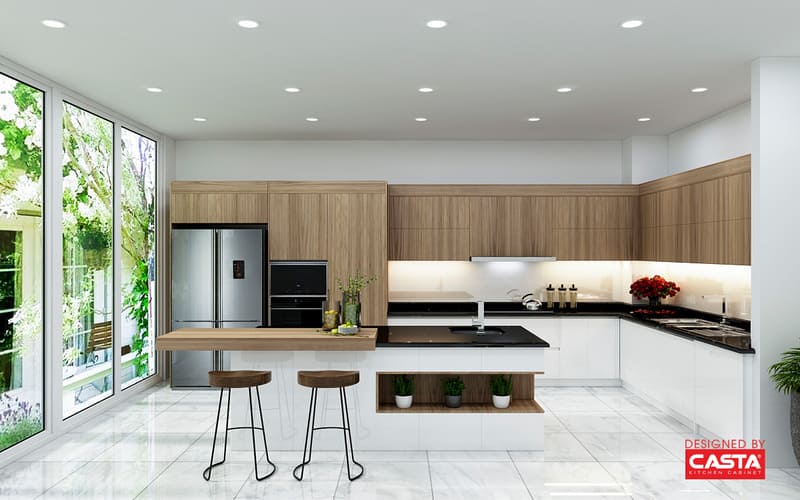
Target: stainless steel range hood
x=475, y=258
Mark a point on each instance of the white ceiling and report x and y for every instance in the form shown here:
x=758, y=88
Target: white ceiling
x=359, y=63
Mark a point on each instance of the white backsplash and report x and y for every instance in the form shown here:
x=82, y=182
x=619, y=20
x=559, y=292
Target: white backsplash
x=702, y=285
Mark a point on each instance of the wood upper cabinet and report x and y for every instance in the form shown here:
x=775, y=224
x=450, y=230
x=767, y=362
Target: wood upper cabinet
x=702, y=215
x=298, y=228
x=207, y=202
x=595, y=227
x=428, y=227
x=511, y=226
x=357, y=242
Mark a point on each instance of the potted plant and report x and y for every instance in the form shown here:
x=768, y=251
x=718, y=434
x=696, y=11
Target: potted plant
x=351, y=296
x=501, y=391
x=453, y=387
x=96, y=245
x=403, y=390
x=786, y=375
x=654, y=289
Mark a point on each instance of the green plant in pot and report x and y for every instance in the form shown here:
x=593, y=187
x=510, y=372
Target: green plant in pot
x=501, y=391
x=453, y=387
x=96, y=245
x=786, y=375
x=403, y=390
x=351, y=296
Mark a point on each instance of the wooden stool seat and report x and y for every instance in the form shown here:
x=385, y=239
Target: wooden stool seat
x=327, y=379
x=239, y=378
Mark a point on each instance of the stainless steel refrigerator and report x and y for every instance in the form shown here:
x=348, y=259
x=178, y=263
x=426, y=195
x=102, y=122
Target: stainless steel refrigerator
x=218, y=281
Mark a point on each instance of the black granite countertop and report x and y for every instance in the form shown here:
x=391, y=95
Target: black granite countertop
x=441, y=336
x=739, y=344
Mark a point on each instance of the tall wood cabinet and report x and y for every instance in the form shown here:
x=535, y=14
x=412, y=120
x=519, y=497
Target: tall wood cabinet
x=219, y=202
x=702, y=215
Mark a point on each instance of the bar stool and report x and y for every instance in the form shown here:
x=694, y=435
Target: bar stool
x=328, y=379
x=237, y=380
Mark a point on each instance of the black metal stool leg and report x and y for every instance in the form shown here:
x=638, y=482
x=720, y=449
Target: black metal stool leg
x=253, y=434
x=348, y=436
x=264, y=435
x=207, y=471
x=308, y=444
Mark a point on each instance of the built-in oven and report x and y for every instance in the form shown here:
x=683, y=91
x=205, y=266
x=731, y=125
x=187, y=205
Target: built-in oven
x=298, y=292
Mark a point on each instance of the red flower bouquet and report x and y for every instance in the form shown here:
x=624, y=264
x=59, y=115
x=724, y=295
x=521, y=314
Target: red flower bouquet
x=654, y=288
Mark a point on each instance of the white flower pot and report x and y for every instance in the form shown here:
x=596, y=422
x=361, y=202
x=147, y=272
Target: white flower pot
x=403, y=401
x=501, y=401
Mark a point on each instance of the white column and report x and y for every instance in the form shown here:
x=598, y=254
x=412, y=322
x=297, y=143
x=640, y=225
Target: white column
x=644, y=158
x=775, y=241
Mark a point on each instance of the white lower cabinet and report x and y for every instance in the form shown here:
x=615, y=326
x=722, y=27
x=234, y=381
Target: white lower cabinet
x=703, y=384
x=719, y=390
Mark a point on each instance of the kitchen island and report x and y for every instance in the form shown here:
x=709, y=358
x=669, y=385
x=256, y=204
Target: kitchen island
x=377, y=423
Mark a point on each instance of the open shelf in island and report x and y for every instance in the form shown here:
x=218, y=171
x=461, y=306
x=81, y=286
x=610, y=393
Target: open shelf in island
x=476, y=398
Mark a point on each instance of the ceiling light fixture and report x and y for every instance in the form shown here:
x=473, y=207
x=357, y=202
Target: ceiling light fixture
x=425, y=90
x=534, y=119
x=312, y=119
x=699, y=90
x=154, y=90
x=292, y=90
x=643, y=119
x=247, y=24
x=199, y=119
x=436, y=24
x=420, y=119
x=633, y=23
x=54, y=23
x=564, y=90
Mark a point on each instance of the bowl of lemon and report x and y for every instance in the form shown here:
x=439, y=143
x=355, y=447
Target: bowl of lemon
x=347, y=329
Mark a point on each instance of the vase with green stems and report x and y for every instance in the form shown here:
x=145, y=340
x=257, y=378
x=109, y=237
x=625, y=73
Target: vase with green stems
x=351, y=296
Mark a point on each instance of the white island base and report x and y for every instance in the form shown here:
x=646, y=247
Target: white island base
x=427, y=425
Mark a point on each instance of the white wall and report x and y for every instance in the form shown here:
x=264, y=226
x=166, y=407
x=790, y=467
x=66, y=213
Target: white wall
x=776, y=240
x=644, y=158
x=541, y=162
x=721, y=137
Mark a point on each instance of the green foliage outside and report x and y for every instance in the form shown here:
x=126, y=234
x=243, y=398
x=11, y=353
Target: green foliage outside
x=19, y=431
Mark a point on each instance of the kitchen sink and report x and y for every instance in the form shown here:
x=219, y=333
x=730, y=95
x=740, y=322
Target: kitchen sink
x=474, y=330
x=693, y=322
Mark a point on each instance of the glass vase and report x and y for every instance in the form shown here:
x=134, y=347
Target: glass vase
x=351, y=308
x=655, y=302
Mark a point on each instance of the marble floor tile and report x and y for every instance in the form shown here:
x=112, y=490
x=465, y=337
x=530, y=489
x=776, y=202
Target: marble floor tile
x=558, y=447
x=118, y=423
x=596, y=422
x=148, y=447
x=184, y=480
x=794, y=471
x=107, y=480
x=656, y=422
x=660, y=480
x=460, y=480
x=179, y=421
x=575, y=404
x=569, y=479
x=623, y=446
x=779, y=485
x=409, y=480
x=673, y=442
x=287, y=489
x=78, y=446
x=391, y=456
x=469, y=456
x=240, y=448
x=552, y=423
x=25, y=480
x=623, y=401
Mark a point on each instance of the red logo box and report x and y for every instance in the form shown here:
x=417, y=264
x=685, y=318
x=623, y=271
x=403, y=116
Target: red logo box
x=726, y=464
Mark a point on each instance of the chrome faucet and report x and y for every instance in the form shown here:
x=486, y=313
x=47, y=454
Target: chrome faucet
x=724, y=312
x=480, y=321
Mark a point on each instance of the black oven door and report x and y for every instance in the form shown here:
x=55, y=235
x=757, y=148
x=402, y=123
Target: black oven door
x=298, y=278
x=296, y=312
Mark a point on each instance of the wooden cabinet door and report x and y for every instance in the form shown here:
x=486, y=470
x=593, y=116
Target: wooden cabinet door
x=595, y=227
x=357, y=243
x=298, y=228
x=252, y=208
x=188, y=208
x=429, y=228
x=511, y=226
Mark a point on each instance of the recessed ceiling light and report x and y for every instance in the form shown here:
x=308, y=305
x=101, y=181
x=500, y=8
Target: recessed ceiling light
x=564, y=90
x=53, y=23
x=199, y=119
x=436, y=24
x=292, y=90
x=643, y=119
x=248, y=24
x=633, y=23
x=425, y=90
x=699, y=90
x=534, y=119
x=312, y=119
x=420, y=119
x=154, y=90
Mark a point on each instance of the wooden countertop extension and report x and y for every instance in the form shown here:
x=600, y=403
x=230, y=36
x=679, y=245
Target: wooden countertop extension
x=264, y=339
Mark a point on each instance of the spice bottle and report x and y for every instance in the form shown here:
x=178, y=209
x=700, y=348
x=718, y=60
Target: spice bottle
x=550, y=296
x=562, y=296
x=573, y=297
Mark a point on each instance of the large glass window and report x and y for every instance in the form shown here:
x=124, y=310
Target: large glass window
x=88, y=174
x=21, y=261
x=138, y=256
